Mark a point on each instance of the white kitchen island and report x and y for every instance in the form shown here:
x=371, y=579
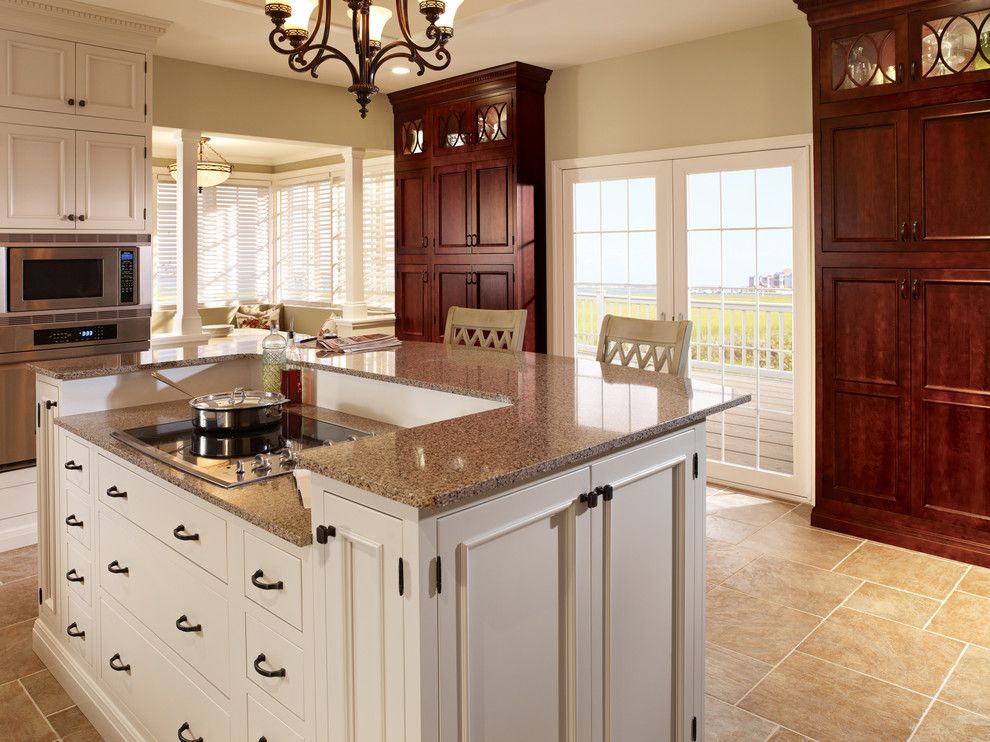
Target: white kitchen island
x=517, y=554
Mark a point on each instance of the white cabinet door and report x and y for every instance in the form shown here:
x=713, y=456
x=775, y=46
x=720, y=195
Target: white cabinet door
x=364, y=623
x=514, y=616
x=648, y=629
x=37, y=177
x=110, y=181
x=109, y=83
x=37, y=73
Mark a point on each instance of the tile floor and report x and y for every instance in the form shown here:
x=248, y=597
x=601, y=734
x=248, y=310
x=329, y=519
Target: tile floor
x=810, y=635
x=815, y=635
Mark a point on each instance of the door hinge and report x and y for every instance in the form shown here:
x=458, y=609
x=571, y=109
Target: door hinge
x=145, y=109
x=694, y=467
x=439, y=576
x=694, y=728
x=41, y=597
x=146, y=65
x=146, y=213
x=325, y=533
x=39, y=415
x=146, y=153
x=402, y=578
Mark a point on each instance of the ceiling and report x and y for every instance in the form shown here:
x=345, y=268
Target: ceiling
x=246, y=150
x=550, y=33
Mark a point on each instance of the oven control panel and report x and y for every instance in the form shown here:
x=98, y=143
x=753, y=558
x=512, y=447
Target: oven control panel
x=81, y=334
x=128, y=258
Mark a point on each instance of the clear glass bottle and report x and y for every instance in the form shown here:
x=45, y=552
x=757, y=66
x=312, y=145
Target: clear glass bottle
x=273, y=356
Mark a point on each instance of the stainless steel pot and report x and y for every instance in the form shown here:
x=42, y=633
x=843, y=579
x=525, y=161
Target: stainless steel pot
x=239, y=410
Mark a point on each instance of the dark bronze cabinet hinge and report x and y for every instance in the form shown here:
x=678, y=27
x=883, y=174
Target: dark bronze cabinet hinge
x=402, y=578
x=694, y=728
x=694, y=467
x=439, y=576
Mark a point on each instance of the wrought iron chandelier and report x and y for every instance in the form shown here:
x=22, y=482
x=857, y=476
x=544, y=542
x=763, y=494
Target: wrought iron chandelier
x=307, y=50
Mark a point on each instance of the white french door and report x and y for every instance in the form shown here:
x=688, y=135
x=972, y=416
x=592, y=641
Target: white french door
x=723, y=240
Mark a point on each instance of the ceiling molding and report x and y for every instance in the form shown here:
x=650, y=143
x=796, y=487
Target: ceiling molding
x=64, y=16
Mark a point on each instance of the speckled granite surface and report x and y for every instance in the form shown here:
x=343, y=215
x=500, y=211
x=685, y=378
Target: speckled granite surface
x=564, y=412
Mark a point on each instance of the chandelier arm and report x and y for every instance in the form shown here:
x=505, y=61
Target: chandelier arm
x=401, y=7
x=298, y=63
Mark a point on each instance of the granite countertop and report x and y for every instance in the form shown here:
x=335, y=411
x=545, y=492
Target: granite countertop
x=563, y=412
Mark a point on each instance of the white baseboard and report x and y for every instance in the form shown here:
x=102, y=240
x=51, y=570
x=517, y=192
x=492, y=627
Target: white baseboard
x=18, y=532
x=102, y=711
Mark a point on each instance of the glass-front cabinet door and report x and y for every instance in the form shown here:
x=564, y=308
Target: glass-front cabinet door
x=951, y=44
x=862, y=60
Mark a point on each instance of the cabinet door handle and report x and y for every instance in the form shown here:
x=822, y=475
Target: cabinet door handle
x=73, y=576
x=73, y=630
x=280, y=673
x=900, y=73
x=71, y=217
x=914, y=70
x=115, y=568
x=903, y=287
x=903, y=231
x=426, y=278
x=81, y=217
x=426, y=241
x=49, y=404
x=183, y=738
x=82, y=103
x=182, y=534
x=590, y=499
x=915, y=289
x=256, y=581
x=71, y=101
x=117, y=665
x=71, y=465
x=112, y=491
x=182, y=624
x=915, y=230
x=73, y=522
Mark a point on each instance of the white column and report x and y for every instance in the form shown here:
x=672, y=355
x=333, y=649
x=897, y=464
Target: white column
x=187, y=320
x=354, y=307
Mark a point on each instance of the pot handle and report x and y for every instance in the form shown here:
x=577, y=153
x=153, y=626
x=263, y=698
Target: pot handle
x=168, y=382
x=238, y=391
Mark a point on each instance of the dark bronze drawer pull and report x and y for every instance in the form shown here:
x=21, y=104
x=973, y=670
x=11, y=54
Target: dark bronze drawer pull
x=183, y=737
x=116, y=664
x=256, y=581
x=182, y=624
x=73, y=522
x=112, y=491
x=280, y=673
x=71, y=465
x=73, y=576
x=73, y=630
x=180, y=533
x=115, y=568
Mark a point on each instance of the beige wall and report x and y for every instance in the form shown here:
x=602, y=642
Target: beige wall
x=207, y=98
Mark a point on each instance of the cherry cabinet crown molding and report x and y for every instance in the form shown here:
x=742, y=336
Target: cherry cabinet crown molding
x=73, y=20
x=821, y=12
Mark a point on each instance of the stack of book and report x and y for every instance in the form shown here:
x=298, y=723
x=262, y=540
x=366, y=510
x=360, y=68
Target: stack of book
x=359, y=343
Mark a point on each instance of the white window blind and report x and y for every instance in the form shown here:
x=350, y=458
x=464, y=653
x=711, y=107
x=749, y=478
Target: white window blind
x=234, y=246
x=310, y=242
x=379, y=238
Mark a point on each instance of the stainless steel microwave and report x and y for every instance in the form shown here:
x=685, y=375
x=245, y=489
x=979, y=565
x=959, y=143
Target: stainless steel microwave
x=41, y=279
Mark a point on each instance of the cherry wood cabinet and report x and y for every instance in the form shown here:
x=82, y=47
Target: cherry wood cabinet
x=902, y=259
x=470, y=198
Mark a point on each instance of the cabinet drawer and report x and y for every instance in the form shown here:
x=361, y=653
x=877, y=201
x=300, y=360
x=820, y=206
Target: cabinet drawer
x=158, y=693
x=75, y=463
x=80, y=631
x=269, y=652
x=78, y=521
x=159, y=588
x=188, y=529
x=280, y=573
x=263, y=724
x=78, y=572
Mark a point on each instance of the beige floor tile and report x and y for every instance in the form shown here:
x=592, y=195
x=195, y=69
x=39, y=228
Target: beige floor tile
x=896, y=605
x=18, y=601
x=19, y=563
x=17, y=658
x=730, y=531
x=72, y=724
x=730, y=676
x=965, y=617
x=827, y=702
x=977, y=582
x=752, y=509
x=884, y=649
x=795, y=585
x=816, y=548
x=728, y=723
x=944, y=723
x=723, y=559
x=19, y=719
x=969, y=685
x=786, y=735
x=799, y=516
x=753, y=627
x=46, y=691
x=907, y=570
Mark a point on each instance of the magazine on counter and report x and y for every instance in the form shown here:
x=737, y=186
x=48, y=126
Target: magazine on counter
x=359, y=343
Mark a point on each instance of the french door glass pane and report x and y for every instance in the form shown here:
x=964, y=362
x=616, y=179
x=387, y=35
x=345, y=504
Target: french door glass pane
x=740, y=246
x=615, y=255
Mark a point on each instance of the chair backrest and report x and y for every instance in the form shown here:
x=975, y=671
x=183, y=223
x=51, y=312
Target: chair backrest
x=498, y=329
x=645, y=343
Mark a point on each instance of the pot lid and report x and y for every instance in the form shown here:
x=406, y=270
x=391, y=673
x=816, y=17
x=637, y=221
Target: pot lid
x=239, y=399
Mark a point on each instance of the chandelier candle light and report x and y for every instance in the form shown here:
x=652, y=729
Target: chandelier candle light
x=308, y=49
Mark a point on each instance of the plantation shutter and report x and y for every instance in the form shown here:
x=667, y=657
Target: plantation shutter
x=310, y=242
x=165, y=244
x=379, y=238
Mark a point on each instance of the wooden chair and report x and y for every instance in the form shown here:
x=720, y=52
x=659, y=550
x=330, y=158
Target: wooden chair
x=486, y=328
x=646, y=342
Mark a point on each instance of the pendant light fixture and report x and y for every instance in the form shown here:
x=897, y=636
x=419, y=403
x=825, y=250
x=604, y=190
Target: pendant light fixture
x=209, y=173
x=308, y=49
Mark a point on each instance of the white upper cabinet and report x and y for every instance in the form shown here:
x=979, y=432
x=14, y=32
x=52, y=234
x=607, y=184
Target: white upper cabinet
x=109, y=83
x=37, y=73
x=37, y=177
x=110, y=181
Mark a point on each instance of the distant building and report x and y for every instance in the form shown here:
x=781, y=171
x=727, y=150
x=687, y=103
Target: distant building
x=780, y=280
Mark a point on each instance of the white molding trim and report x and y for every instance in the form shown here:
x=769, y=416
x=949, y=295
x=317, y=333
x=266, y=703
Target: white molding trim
x=23, y=534
x=65, y=16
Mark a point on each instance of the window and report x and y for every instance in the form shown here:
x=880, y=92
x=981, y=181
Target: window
x=310, y=242
x=379, y=238
x=234, y=244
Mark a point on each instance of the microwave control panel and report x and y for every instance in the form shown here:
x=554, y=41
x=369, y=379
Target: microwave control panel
x=81, y=334
x=128, y=258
